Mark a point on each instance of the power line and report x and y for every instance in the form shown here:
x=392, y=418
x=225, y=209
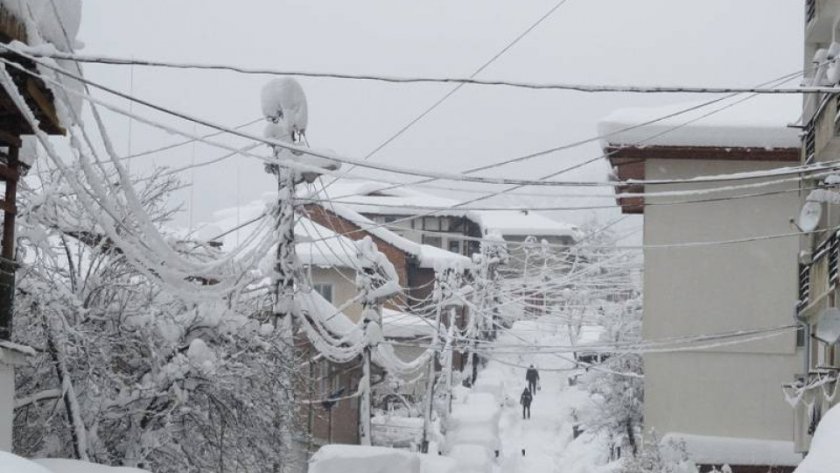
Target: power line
x=590, y=88
x=383, y=167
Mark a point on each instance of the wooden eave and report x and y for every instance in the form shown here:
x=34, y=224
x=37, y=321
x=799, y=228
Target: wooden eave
x=34, y=91
x=629, y=163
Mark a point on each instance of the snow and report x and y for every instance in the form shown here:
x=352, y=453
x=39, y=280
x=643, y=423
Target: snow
x=10, y=463
x=396, y=431
x=371, y=198
x=359, y=459
x=200, y=355
x=18, y=348
x=760, y=121
x=397, y=324
x=338, y=323
x=316, y=245
x=824, y=456
x=284, y=102
x=50, y=27
x=427, y=256
x=14, y=464
x=472, y=458
x=56, y=465
x=517, y=223
x=735, y=451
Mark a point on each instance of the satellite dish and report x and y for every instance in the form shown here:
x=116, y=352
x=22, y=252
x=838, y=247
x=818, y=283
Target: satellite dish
x=809, y=216
x=828, y=326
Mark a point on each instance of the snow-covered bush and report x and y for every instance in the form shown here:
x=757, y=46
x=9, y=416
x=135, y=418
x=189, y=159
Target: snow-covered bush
x=656, y=457
x=128, y=373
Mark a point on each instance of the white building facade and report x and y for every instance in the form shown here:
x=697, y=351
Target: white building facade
x=709, y=269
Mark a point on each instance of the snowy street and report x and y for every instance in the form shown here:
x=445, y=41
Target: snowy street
x=545, y=438
x=562, y=236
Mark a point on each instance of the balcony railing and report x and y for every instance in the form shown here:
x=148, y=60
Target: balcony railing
x=811, y=397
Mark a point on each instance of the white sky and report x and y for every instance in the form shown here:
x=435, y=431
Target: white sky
x=675, y=42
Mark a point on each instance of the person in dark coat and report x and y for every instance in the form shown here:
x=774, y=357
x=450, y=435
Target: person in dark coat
x=525, y=399
x=532, y=376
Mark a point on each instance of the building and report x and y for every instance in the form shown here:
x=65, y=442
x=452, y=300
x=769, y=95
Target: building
x=726, y=280
x=16, y=24
x=441, y=222
x=813, y=391
x=325, y=246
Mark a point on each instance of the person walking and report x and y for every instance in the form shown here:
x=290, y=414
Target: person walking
x=525, y=399
x=533, y=377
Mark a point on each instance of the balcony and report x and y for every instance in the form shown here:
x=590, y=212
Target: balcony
x=821, y=138
x=811, y=397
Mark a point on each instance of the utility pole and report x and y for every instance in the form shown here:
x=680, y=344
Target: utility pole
x=376, y=281
x=430, y=379
x=284, y=107
x=10, y=172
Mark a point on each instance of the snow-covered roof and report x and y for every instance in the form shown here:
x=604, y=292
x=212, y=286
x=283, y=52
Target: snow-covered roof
x=50, y=27
x=373, y=198
x=333, y=319
x=517, y=223
x=708, y=449
x=427, y=256
x=397, y=324
x=316, y=245
x=758, y=122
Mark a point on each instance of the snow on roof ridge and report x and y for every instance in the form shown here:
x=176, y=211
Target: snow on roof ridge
x=527, y=223
x=428, y=256
x=760, y=122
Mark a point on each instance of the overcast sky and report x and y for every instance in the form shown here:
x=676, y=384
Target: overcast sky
x=675, y=42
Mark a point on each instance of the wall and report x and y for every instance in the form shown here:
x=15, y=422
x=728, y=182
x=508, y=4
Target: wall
x=7, y=400
x=729, y=391
x=344, y=288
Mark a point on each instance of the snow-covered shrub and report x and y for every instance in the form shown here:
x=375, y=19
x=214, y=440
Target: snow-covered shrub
x=658, y=457
x=128, y=373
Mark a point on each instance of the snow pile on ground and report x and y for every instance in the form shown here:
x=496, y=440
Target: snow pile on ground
x=492, y=382
x=359, y=459
x=760, y=121
x=396, y=431
x=735, y=451
x=824, y=456
x=58, y=465
x=10, y=463
x=472, y=458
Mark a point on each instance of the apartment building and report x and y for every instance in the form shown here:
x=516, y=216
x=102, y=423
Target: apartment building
x=709, y=270
x=814, y=389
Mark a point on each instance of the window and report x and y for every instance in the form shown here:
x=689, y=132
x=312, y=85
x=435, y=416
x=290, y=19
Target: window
x=431, y=224
x=325, y=290
x=455, y=246
x=324, y=378
x=433, y=241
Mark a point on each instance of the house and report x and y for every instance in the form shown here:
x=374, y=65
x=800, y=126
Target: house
x=813, y=391
x=325, y=246
x=709, y=269
x=441, y=222
x=17, y=20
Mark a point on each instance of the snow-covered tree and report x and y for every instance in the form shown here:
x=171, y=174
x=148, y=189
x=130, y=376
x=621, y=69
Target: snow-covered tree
x=128, y=372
